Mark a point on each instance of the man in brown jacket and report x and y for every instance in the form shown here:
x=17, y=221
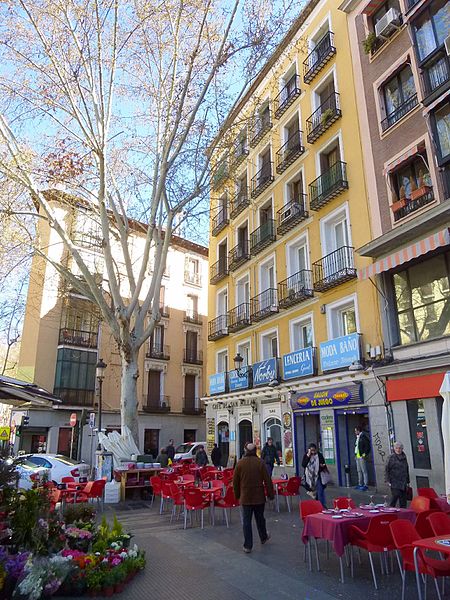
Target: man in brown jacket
x=249, y=479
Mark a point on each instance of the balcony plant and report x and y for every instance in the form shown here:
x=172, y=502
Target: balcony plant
x=399, y=203
x=326, y=116
x=417, y=191
x=369, y=43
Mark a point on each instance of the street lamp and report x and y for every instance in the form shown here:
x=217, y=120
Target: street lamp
x=238, y=360
x=100, y=376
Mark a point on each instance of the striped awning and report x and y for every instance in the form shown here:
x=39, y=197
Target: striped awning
x=372, y=6
x=437, y=240
x=403, y=158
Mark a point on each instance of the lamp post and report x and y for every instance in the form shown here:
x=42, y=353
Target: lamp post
x=238, y=360
x=100, y=376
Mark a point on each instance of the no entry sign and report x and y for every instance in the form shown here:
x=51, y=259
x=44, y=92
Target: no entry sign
x=73, y=419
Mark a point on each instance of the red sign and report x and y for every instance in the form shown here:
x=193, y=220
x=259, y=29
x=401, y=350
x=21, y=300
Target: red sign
x=73, y=419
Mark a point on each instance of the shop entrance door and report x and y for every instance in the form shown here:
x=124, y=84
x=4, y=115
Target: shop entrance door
x=223, y=437
x=345, y=434
x=307, y=431
x=245, y=435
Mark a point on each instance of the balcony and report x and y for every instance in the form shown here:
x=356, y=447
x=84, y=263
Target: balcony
x=262, y=179
x=159, y=351
x=419, y=199
x=218, y=328
x=333, y=269
x=77, y=337
x=192, y=278
x=192, y=316
x=193, y=406
x=263, y=305
x=286, y=97
x=262, y=237
x=75, y=397
x=290, y=151
x=219, y=221
x=435, y=75
x=192, y=357
x=291, y=214
x=399, y=113
x=238, y=255
x=239, y=317
x=219, y=174
x=218, y=271
x=261, y=126
x=240, y=153
x=238, y=202
x=159, y=404
x=164, y=310
x=318, y=57
x=329, y=185
x=323, y=118
x=295, y=289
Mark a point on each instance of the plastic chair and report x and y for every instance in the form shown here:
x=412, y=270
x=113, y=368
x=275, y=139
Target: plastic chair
x=67, y=479
x=177, y=499
x=292, y=488
x=194, y=500
x=376, y=538
x=94, y=490
x=155, y=482
x=440, y=523
x=188, y=477
x=422, y=524
x=343, y=502
x=166, y=494
x=310, y=507
x=229, y=501
x=419, y=504
x=427, y=492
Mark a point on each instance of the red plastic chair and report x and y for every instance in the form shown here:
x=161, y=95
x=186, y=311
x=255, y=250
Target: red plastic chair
x=229, y=501
x=194, y=500
x=177, y=499
x=343, y=502
x=377, y=538
x=420, y=503
x=310, y=507
x=422, y=524
x=67, y=479
x=292, y=488
x=439, y=523
x=427, y=492
x=94, y=490
x=155, y=482
x=166, y=494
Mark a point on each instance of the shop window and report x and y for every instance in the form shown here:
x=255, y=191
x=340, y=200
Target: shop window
x=399, y=96
x=151, y=442
x=419, y=435
x=412, y=187
x=422, y=295
x=189, y=435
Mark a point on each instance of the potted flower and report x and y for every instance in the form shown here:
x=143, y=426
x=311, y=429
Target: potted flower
x=78, y=539
x=397, y=204
x=94, y=581
x=108, y=582
x=119, y=575
x=326, y=116
x=369, y=43
x=417, y=191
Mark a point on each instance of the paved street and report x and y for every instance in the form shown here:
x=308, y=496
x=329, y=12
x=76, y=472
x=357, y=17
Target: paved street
x=210, y=564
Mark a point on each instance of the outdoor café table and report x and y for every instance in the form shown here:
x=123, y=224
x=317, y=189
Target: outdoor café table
x=440, y=544
x=337, y=531
x=214, y=491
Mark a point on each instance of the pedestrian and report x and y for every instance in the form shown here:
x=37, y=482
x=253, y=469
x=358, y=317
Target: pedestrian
x=362, y=450
x=314, y=464
x=201, y=458
x=397, y=475
x=269, y=455
x=216, y=456
x=250, y=482
x=162, y=458
x=171, y=450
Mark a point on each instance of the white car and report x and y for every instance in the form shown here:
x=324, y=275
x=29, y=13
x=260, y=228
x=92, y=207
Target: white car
x=61, y=466
x=29, y=474
x=188, y=450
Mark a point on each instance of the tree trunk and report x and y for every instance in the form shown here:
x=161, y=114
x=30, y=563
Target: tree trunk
x=128, y=398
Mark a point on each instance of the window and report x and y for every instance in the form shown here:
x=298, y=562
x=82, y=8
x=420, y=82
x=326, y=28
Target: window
x=192, y=270
x=294, y=189
x=302, y=334
x=222, y=361
x=265, y=213
x=297, y=256
x=431, y=28
x=190, y=436
x=379, y=14
x=154, y=388
x=263, y=117
x=191, y=346
x=192, y=306
x=267, y=276
x=190, y=389
x=269, y=345
x=265, y=170
x=335, y=232
x=291, y=134
x=75, y=370
x=342, y=319
x=151, y=442
x=411, y=187
x=399, y=95
x=243, y=291
x=80, y=319
x=222, y=303
x=422, y=294
x=328, y=158
x=157, y=340
x=418, y=432
x=442, y=120
x=244, y=350
x=222, y=254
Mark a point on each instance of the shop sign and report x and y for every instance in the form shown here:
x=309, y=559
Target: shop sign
x=264, y=372
x=237, y=382
x=246, y=414
x=271, y=411
x=322, y=399
x=299, y=363
x=222, y=415
x=217, y=383
x=210, y=435
x=340, y=352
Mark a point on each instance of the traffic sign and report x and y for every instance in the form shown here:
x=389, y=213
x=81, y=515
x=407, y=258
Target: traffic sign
x=5, y=433
x=92, y=420
x=73, y=419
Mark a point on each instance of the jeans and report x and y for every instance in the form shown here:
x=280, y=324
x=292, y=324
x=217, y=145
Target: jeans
x=320, y=492
x=361, y=467
x=269, y=468
x=258, y=510
x=399, y=495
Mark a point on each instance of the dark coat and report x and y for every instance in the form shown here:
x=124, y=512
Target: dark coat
x=363, y=444
x=216, y=457
x=201, y=458
x=306, y=459
x=397, y=471
x=250, y=476
x=170, y=452
x=269, y=455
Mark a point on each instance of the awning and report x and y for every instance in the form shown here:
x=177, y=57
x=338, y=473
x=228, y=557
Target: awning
x=372, y=6
x=414, y=388
x=19, y=393
x=404, y=158
x=441, y=238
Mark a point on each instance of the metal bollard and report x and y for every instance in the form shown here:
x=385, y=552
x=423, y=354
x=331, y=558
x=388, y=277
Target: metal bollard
x=347, y=476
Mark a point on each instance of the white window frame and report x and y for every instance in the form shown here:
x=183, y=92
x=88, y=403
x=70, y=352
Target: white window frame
x=245, y=220
x=300, y=240
x=315, y=92
x=327, y=145
x=258, y=163
x=239, y=345
x=283, y=136
x=266, y=334
x=312, y=41
x=331, y=309
x=223, y=352
x=300, y=321
x=237, y=283
x=269, y=200
x=329, y=219
x=291, y=179
x=291, y=70
x=218, y=293
x=272, y=258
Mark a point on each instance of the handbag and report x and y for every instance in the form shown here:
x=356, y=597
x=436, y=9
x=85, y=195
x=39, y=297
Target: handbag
x=325, y=476
x=409, y=493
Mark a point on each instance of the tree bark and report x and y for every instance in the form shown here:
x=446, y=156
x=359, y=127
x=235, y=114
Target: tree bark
x=129, y=399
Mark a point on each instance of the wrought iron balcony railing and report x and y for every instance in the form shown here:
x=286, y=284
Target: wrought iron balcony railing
x=75, y=397
x=220, y=220
x=329, y=185
x=263, y=305
x=261, y=126
x=160, y=351
x=164, y=310
x=156, y=404
x=220, y=173
x=318, y=57
x=192, y=316
x=399, y=112
x=421, y=198
x=239, y=317
x=239, y=153
x=323, y=118
x=262, y=237
x=262, y=179
x=290, y=151
x=334, y=268
x=296, y=288
x=193, y=406
x=238, y=255
x=286, y=97
x=238, y=202
x=218, y=328
x=78, y=337
x=193, y=357
x=291, y=214
x=218, y=271
x=192, y=277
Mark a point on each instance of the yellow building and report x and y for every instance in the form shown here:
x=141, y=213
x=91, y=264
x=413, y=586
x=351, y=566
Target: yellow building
x=289, y=208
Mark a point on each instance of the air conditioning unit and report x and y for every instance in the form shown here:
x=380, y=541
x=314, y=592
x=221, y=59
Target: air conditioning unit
x=387, y=24
x=447, y=45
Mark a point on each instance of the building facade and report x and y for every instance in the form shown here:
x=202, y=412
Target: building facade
x=289, y=206
x=401, y=59
x=63, y=338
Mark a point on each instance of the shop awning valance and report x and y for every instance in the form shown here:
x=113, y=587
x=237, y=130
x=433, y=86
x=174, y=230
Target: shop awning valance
x=403, y=158
x=414, y=388
x=373, y=6
x=428, y=244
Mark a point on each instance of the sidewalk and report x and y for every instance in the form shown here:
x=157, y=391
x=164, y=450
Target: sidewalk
x=209, y=564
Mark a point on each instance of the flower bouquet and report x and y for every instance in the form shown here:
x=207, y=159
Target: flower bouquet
x=78, y=539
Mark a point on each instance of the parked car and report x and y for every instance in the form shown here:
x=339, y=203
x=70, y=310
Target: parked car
x=61, y=466
x=30, y=473
x=188, y=450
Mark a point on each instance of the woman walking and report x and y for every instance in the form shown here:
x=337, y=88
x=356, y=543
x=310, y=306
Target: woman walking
x=314, y=464
x=397, y=475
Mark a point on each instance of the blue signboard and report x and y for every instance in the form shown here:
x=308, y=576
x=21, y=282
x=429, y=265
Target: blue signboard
x=340, y=352
x=217, y=383
x=323, y=398
x=236, y=382
x=299, y=363
x=264, y=372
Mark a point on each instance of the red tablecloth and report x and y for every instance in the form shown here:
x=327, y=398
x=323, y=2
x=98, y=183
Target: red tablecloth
x=435, y=543
x=442, y=504
x=337, y=530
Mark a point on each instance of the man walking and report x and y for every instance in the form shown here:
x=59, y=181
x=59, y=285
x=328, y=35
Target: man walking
x=269, y=455
x=170, y=450
x=250, y=477
x=362, y=449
